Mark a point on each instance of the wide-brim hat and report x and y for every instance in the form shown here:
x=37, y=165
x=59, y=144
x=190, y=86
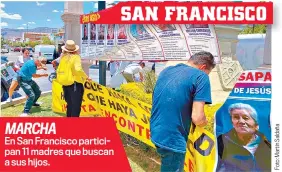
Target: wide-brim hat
x=70, y=46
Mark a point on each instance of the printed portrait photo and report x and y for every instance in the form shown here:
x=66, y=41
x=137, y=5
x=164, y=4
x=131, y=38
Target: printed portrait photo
x=111, y=31
x=138, y=30
x=84, y=32
x=244, y=136
x=122, y=31
x=4, y=73
x=101, y=32
x=92, y=32
x=163, y=27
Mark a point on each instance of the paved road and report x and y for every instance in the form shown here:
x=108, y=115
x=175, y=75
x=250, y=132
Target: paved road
x=45, y=85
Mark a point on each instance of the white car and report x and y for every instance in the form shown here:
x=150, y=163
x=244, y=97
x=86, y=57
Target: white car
x=48, y=51
x=4, y=50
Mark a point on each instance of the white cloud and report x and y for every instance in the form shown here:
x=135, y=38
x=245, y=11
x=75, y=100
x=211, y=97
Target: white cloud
x=24, y=24
x=48, y=20
x=5, y=15
x=62, y=11
x=4, y=24
x=31, y=23
x=39, y=4
x=55, y=11
x=2, y=5
x=20, y=28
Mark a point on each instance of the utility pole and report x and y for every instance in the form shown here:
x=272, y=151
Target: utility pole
x=102, y=64
x=253, y=28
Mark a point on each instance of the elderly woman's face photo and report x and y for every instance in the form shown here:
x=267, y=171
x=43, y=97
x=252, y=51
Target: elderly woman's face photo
x=242, y=122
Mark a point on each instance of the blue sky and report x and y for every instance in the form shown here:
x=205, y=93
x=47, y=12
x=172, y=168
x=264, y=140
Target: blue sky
x=36, y=14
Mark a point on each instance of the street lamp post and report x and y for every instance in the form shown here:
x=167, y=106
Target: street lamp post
x=102, y=64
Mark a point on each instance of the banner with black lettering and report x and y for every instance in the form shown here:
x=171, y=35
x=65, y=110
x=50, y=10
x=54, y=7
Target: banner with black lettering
x=132, y=117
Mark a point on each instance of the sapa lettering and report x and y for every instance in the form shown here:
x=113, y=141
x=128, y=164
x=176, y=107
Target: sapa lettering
x=256, y=76
x=30, y=128
x=150, y=14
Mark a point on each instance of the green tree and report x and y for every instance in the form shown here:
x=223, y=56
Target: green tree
x=253, y=29
x=33, y=43
x=2, y=41
x=46, y=40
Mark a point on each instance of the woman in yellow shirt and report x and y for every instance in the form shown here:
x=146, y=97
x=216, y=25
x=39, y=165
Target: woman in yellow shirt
x=73, y=93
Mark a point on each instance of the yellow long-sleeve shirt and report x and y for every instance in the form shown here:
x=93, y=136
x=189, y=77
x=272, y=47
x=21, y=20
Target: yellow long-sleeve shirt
x=77, y=71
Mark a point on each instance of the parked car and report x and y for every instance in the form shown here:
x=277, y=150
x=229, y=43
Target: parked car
x=47, y=51
x=17, y=49
x=6, y=84
x=4, y=50
x=4, y=60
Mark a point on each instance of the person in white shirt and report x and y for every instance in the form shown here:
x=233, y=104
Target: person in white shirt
x=114, y=65
x=132, y=69
x=19, y=63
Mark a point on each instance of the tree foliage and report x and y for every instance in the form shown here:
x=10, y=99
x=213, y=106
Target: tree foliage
x=46, y=41
x=250, y=29
x=33, y=43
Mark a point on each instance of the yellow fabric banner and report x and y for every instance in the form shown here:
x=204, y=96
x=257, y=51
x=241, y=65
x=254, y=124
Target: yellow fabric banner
x=133, y=118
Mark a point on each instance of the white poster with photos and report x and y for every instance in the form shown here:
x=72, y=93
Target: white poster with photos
x=147, y=42
x=84, y=48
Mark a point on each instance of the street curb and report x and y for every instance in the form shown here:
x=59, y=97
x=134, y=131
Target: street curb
x=21, y=100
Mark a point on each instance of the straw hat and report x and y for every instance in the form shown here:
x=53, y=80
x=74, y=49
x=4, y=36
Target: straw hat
x=70, y=46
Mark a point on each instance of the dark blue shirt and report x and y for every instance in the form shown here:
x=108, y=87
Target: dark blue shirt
x=27, y=70
x=176, y=89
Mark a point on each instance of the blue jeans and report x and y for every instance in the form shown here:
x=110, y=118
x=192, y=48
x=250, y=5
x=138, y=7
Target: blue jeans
x=33, y=92
x=171, y=161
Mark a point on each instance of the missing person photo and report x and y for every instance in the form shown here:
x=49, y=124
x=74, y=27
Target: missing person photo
x=92, y=32
x=111, y=31
x=84, y=32
x=138, y=30
x=4, y=73
x=101, y=32
x=243, y=136
x=122, y=31
x=163, y=27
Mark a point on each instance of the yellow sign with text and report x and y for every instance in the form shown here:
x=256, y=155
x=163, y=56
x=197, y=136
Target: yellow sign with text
x=133, y=118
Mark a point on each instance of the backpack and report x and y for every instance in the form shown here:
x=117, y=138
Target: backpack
x=64, y=71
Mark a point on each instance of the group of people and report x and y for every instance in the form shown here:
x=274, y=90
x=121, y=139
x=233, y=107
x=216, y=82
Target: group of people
x=179, y=97
x=26, y=68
